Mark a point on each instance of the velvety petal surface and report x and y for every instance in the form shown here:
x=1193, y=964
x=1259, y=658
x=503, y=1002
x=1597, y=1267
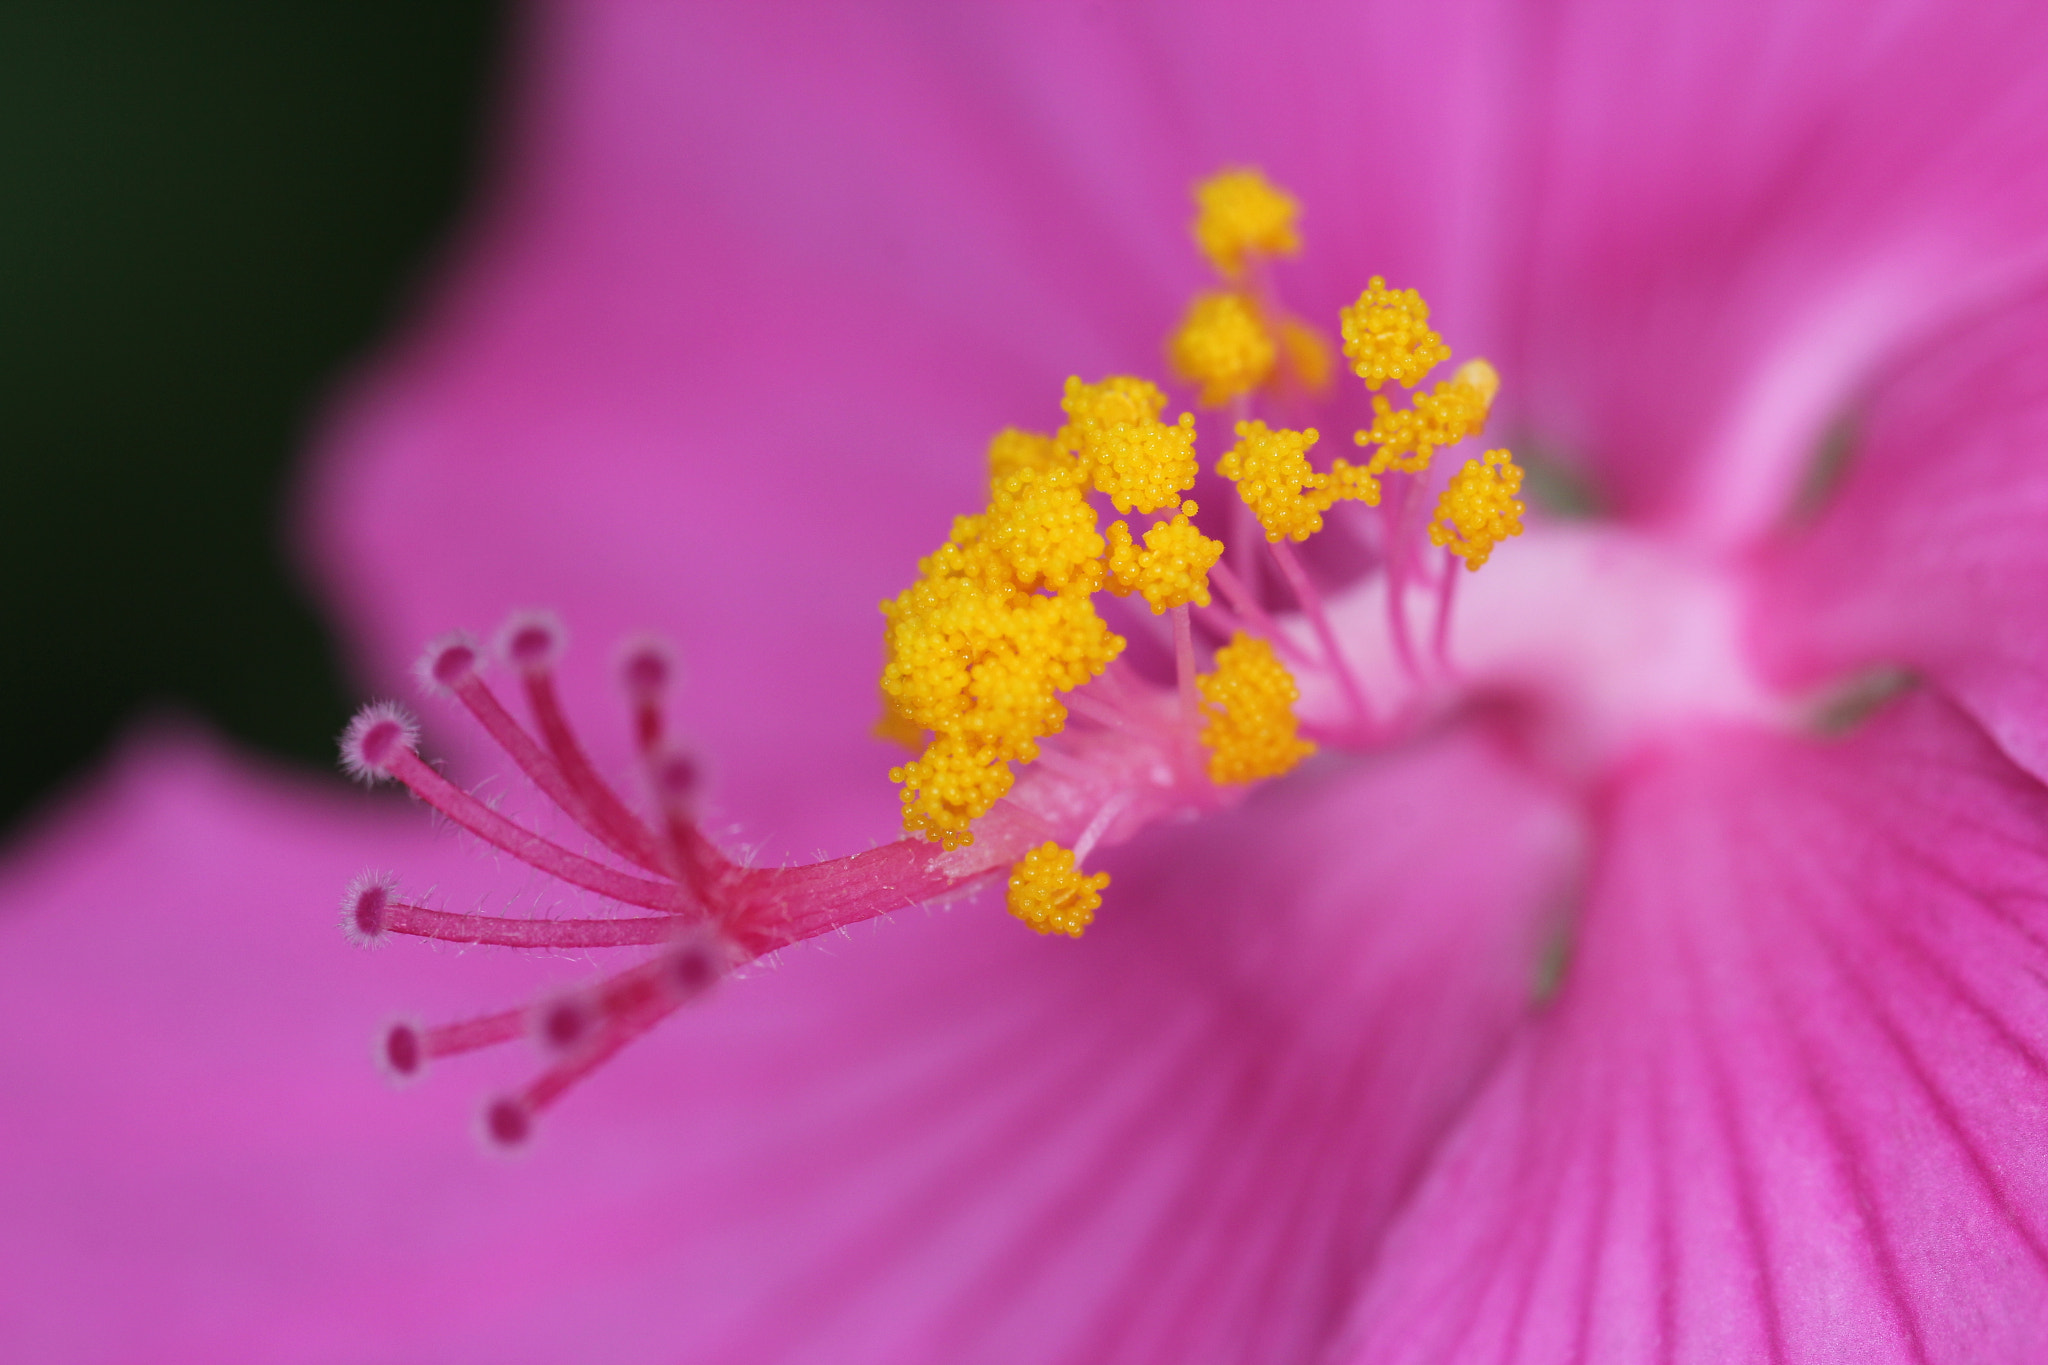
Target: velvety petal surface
x=1792, y=1101
x=1726, y=218
x=941, y=1139
x=1929, y=551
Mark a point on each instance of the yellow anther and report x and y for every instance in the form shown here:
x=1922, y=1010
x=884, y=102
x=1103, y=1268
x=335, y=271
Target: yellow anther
x=1356, y=482
x=1136, y=460
x=1250, y=701
x=1012, y=450
x=1452, y=411
x=1479, y=509
x=1051, y=895
x=1222, y=345
x=1273, y=476
x=1040, y=530
x=1306, y=353
x=1387, y=336
x=1173, y=568
x=1481, y=377
x=998, y=624
x=1241, y=213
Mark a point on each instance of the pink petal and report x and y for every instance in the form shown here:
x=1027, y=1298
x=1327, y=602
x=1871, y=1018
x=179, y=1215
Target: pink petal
x=941, y=1140
x=1736, y=212
x=1790, y=1104
x=1933, y=553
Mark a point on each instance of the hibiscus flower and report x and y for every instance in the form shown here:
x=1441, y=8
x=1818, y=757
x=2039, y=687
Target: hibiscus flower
x=1670, y=987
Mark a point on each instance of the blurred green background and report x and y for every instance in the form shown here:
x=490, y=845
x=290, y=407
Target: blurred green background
x=207, y=213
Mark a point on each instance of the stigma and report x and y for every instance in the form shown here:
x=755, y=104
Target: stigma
x=1038, y=735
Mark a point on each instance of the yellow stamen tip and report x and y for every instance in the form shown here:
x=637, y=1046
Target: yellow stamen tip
x=1479, y=509
x=1223, y=346
x=999, y=623
x=1136, y=460
x=1387, y=336
x=1481, y=377
x=1051, y=895
x=1173, y=568
x=1452, y=411
x=1273, y=476
x=1250, y=702
x=1240, y=213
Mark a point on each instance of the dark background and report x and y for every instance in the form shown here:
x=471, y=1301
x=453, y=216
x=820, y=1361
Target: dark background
x=207, y=212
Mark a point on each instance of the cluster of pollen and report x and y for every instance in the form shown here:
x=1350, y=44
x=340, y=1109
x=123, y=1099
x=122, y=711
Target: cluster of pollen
x=1387, y=336
x=1001, y=620
x=1137, y=461
x=1479, y=509
x=1250, y=702
x=1273, y=476
x=1173, y=568
x=1223, y=346
x=998, y=624
x=1053, y=896
x=1452, y=411
x=1239, y=214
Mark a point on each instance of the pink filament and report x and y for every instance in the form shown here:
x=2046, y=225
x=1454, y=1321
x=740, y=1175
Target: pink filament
x=1190, y=700
x=1312, y=605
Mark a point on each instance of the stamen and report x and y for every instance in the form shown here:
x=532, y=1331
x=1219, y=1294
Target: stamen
x=1387, y=336
x=1184, y=679
x=1173, y=568
x=1241, y=214
x=1454, y=410
x=1246, y=606
x=1319, y=621
x=1223, y=346
x=1275, y=480
x=1251, y=731
x=1479, y=509
x=1136, y=460
x=1048, y=893
x=1446, y=595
